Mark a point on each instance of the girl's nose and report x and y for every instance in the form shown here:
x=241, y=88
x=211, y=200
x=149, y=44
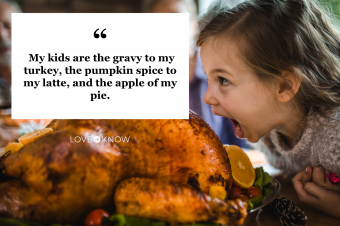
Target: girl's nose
x=209, y=97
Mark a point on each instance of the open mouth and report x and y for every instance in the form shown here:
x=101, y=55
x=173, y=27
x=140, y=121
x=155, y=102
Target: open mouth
x=237, y=128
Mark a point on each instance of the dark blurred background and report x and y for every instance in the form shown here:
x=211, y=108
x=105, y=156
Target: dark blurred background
x=112, y=6
x=81, y=6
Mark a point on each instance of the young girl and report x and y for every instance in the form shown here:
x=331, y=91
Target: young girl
x=273, y=68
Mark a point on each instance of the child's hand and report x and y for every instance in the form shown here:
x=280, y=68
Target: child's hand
x=313, y=189
x=306, y=176
x=319, y=178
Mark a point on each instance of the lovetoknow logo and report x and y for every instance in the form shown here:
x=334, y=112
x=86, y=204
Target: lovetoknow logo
x=98, y=139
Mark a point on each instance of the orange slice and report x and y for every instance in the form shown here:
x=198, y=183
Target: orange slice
x=242, y=170
x=13, y=147
x=29, y=137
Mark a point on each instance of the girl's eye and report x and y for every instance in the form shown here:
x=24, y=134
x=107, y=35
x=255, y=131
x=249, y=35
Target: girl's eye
x=223, y=81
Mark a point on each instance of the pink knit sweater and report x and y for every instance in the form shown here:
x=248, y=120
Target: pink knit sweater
x=318, y=145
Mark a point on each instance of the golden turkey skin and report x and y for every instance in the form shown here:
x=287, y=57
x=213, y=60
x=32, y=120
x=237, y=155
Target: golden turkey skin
x=59, y=180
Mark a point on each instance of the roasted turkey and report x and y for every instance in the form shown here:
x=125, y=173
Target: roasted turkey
x=163, y=171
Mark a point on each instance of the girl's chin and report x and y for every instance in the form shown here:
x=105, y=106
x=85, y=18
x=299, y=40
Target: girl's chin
x=252, y=139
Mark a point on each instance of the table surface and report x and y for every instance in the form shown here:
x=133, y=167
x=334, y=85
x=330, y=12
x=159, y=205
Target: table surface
x=314, y=216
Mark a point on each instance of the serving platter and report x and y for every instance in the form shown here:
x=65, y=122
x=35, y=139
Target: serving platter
x=275, y=187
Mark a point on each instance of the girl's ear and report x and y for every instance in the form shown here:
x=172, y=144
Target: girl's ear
x=288, y=86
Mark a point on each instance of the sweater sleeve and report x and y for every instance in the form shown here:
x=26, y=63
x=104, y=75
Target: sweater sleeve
x=329, y=149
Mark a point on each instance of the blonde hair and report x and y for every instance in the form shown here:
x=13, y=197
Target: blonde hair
x=286, y=35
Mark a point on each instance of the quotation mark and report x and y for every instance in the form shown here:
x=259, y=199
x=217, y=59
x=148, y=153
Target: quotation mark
x=101, y=34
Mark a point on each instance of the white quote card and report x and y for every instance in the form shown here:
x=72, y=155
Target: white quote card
x=100, y=66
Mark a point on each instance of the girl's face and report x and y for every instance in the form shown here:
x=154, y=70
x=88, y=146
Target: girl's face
x=235, y=92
